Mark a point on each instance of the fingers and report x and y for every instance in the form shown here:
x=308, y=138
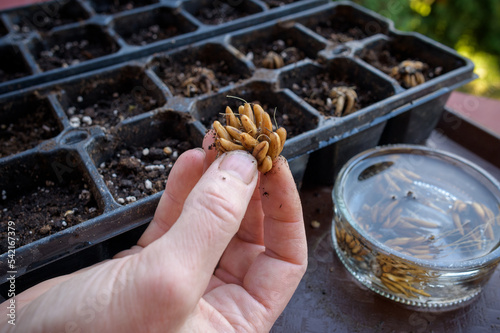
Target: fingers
x=284, y=231
x=275, y=274
x=209, y=148
x=185, y=173
x=211, y=217
x=246, y=246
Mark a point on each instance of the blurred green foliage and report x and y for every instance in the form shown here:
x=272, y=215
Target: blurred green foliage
x=470, y=27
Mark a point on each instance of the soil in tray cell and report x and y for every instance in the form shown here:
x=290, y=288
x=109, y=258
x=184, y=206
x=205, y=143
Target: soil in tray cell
x=275, y=54
x=392, y=62
x=338, y=31
x=44, y=210
x=107, y=105
x=152, y=34
x=218, y=12
x=316, y=91
x=71, y=50
x=190, y=78
x=25, y=124
x=135, y=172
x=45, y=16
x=293, y=122
x=152, y=26
x=12, y=64
x=278, y=3
x=115, y=6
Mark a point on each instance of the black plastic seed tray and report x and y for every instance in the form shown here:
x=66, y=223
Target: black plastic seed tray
x=54, y=39
x=84, y=157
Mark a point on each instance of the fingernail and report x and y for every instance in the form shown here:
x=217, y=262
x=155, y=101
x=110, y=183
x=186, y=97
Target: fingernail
x=240, y=164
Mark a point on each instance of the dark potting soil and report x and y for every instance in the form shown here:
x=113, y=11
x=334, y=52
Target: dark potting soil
x=43, y=21
x=137, y=172
x=26, y=131
x=285, y=48
x=339, y=32
x=7, y=74
x=190, y=79
x=45, y=210
x=278, y=3
x=72, y=53
x=218, y=12
x=110, y=109
x=316, y=92
x=294, y=122
x=152, y=34
x=115, y=6
x=386, y=59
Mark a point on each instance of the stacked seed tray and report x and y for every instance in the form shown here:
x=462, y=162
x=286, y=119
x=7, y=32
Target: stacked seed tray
x=99, y=98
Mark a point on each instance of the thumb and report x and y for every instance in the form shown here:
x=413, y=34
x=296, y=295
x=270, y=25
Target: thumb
x=211, y=216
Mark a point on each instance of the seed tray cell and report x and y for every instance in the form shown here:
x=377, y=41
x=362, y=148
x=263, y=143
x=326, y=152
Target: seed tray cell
x=44, y=195
x=12, y=63
x=46, y=16
x=116, y=6
x=387, y=53
x=278, y=3
x=314, y=83
x=25, y=122
x=152, y=26
x=135, y=166
x=109, y=98
x=199, y=69
x=345, y=23
x=70, y=47
x=274, y=46
x=128, y=113
x=221, y=11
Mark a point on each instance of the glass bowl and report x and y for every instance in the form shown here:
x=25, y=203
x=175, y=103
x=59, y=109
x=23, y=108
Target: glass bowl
x=417, y=225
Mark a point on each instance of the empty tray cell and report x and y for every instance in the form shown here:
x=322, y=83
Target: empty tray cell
x=152, y=26
x=337, y=89
x=73, y=46
x=138, y=162
x=278, y=3
x=200, y=70
x=409, y=59
x=107, y=99
x=43, y=194
x=344, y=23
x=24, y=123
x=274, y=47
x=220, y=11
x=12, y=63
x=284, y=111
x=115, y=6
x=45, y=16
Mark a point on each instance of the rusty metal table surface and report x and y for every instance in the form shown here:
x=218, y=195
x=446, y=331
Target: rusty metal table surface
x=329, y=299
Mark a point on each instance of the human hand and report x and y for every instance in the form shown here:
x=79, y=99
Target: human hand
x=224, y=252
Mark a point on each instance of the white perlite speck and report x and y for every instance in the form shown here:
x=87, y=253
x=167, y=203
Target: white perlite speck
x=74, y=122
x=154, y=167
